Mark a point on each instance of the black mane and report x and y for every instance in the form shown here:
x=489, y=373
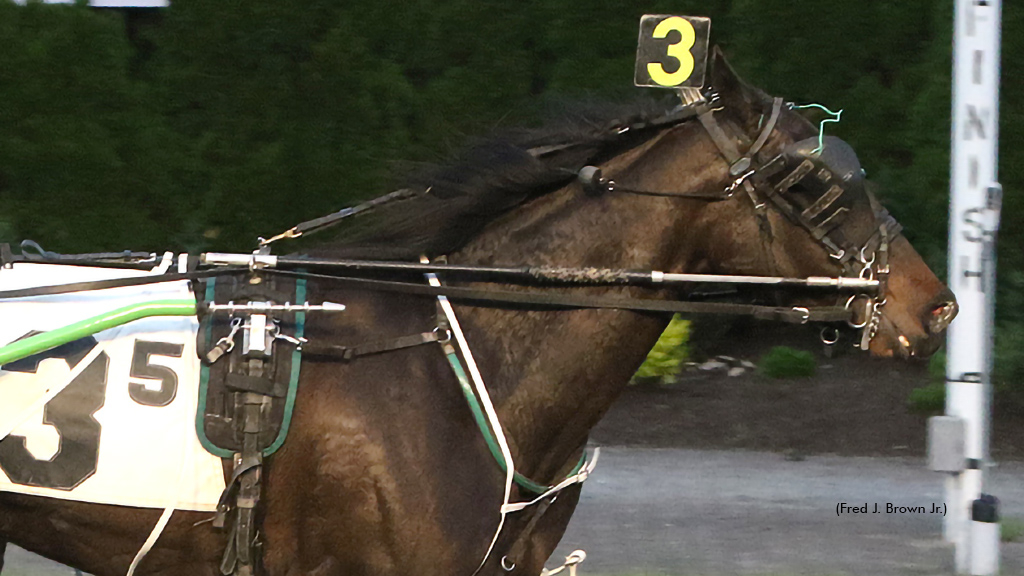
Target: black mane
x=492, y=177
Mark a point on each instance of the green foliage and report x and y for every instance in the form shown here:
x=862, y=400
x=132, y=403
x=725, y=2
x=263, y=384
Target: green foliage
x=930, y=399
x=666, y=358
x=786, y=362
x=1011, y=530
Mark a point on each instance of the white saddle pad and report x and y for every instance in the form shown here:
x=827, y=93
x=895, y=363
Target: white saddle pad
x=108, y=419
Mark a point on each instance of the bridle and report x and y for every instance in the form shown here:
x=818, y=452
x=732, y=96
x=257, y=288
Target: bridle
x=813, y=182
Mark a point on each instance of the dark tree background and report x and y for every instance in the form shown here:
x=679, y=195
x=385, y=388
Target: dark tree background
x=206, y=124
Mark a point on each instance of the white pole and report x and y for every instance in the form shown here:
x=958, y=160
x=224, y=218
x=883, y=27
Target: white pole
x=973, y=221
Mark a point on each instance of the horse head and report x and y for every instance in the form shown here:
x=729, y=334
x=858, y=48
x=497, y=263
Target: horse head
x=800, y=206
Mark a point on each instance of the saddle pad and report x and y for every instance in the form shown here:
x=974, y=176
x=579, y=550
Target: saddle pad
x=108, y=418
x=220, y=400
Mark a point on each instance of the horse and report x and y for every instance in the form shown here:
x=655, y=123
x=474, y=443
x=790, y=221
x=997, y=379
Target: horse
x=384, y=471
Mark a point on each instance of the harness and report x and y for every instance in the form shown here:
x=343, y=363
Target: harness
x=815, y=183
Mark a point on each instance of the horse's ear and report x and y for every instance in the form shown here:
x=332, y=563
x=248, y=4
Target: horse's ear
x=730, y=87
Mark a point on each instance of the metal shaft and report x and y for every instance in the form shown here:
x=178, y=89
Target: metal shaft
x=531, y=274
x=286, y=307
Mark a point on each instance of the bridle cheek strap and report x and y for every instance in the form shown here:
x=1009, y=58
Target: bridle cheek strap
x=739, y=164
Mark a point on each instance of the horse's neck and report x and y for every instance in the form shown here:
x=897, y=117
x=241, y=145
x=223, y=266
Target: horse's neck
x=554, y=374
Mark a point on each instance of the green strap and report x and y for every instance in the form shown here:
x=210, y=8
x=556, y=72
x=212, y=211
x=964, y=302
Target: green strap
x=49, y=340
x=492, y=443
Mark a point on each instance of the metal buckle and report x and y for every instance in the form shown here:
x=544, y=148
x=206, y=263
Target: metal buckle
x=868, y=311
x=731, y=188
x=229, y=340
x=806, y=314
x=829, y=340
x=447, y=335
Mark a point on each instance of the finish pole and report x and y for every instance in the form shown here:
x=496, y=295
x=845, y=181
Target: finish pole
x=975, y=198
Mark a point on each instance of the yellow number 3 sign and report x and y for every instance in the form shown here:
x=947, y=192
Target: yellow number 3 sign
x=672, y=51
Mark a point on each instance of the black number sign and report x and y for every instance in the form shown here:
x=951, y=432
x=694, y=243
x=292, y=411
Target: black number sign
x=672, y=51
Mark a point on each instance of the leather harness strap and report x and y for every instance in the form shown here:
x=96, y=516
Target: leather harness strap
x=348, y=353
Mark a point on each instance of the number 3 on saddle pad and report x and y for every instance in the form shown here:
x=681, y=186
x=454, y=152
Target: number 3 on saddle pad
x=672, y=51
x=107, y=418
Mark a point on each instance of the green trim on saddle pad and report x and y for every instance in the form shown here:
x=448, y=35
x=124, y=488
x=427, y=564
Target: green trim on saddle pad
x=293, y=381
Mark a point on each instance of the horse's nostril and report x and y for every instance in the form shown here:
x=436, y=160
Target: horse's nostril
x=942, y=315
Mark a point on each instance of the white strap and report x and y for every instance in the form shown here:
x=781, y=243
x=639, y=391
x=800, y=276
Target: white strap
x=571, y=561
x=485, y=400
x=579, y=478
x=151, y=541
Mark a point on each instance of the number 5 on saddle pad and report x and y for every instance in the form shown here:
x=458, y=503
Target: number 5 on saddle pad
x=108, y=418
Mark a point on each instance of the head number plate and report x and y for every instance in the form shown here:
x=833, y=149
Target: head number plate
x=672, y=51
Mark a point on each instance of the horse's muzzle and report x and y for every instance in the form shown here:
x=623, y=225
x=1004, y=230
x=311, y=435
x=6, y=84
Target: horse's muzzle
x=935, y=319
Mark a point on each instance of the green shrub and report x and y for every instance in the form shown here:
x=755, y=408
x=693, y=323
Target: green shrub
x=929, y=399
x=666, y=358
x=786, y=362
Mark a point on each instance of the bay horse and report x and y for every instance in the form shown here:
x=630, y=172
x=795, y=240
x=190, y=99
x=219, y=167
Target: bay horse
x=385, y=472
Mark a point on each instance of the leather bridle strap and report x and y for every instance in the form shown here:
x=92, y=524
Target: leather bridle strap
x=725, y=144
x=347, y=353
x=767, y=129
x=739, y=164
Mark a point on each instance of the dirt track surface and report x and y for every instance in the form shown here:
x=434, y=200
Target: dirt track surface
x=690, y=512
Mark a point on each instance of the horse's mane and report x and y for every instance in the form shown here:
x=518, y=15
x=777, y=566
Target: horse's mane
x=489, y=178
